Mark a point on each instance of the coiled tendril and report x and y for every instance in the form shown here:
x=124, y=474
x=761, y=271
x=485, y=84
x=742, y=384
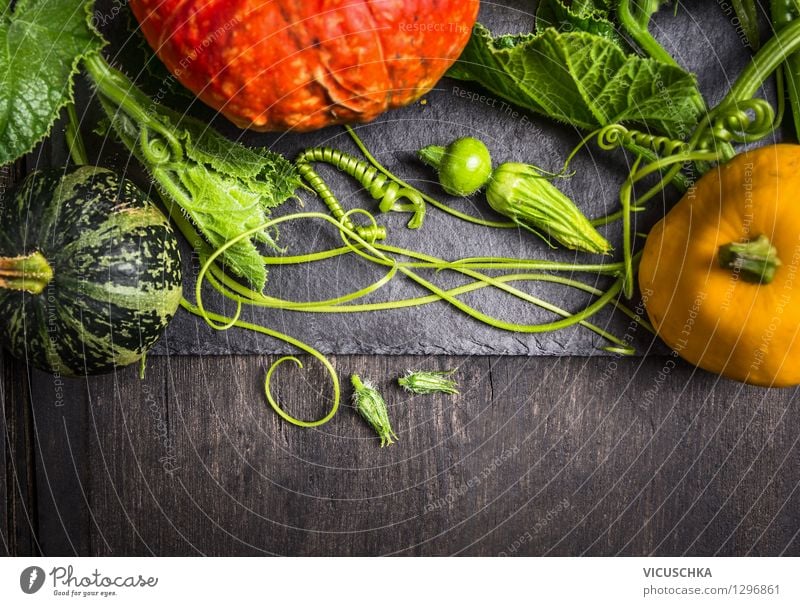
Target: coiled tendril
x=155, y=149
x=380, y=187
x=387, y=256
x=615, y=135
x=745, y=122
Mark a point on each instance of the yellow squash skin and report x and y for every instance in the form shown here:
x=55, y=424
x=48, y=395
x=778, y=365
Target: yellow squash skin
x=709, y=315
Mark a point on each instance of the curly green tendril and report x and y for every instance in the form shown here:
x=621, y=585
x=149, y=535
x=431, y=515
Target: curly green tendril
x=739, y=118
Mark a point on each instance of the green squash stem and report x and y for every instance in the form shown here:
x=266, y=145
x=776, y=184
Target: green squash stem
x=29, y=273
x=756, y=261
x=432, y=155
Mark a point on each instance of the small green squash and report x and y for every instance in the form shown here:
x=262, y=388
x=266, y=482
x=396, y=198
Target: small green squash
x=90, y=272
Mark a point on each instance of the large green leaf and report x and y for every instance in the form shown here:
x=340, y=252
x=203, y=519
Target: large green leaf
x=224, y=188
x=41, y=44
x=592, y=17
x=581, y=79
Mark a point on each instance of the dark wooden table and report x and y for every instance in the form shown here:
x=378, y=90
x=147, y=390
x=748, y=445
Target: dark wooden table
x=555, y=456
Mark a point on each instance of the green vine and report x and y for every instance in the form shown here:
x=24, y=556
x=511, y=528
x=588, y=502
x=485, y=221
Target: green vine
x=740, y=118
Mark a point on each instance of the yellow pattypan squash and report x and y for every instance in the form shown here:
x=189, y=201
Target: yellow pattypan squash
x=719, y=273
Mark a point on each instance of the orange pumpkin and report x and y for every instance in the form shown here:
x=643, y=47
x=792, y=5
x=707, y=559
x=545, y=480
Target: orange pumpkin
x=719, y=273
x=284, y=64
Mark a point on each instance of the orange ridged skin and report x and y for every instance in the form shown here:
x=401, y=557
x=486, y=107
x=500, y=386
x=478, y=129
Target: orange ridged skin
x=709, y=315
x=289, y=65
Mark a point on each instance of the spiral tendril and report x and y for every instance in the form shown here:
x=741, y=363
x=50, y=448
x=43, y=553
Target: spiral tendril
x=155, y=149
x=380, y=186
x=744, y=122
x=158, y=147
x=615, y=135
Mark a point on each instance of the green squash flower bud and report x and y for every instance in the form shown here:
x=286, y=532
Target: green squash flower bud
x=527, y=197
x=518, y=191
x=464, y=166
x=425, y=382
x=371, y=406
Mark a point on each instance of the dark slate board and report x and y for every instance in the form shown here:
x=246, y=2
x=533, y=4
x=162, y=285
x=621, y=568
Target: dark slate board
x=701, y=37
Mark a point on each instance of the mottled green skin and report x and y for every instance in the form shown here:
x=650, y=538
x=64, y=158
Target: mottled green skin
x=116, y=272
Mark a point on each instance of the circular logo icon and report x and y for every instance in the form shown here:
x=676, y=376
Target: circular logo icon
x=31, y=579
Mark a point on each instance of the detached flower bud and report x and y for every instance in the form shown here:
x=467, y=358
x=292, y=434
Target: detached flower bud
x=518, y=191
x=425, y=382
x=371, y=406
x=464, y=166
x=527, y=197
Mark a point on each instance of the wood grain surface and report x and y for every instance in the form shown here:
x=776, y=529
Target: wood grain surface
x=18, y=512
x=555, y=456
x=537, y=456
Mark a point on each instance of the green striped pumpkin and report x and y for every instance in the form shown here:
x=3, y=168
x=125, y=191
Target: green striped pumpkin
x=90, y=272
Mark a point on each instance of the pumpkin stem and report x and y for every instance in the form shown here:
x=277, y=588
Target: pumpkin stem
x=29, y=273
x=432, y=155
x=756, y=261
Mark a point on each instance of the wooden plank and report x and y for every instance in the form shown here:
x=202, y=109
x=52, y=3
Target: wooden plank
x=6, y=483
x=234, y=455
x=536, y=456
x=21, y=520
x=132, y=464
x=18, y=520
x=5, y=452
x=62, y=427
x=655, y=459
